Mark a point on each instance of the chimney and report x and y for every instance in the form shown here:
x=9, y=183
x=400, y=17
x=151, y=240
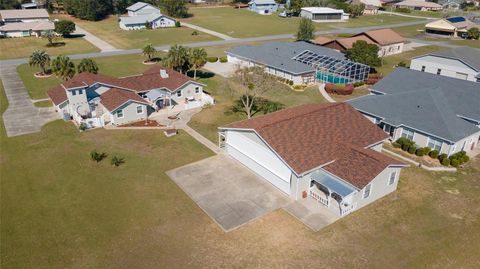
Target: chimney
x=163, y=73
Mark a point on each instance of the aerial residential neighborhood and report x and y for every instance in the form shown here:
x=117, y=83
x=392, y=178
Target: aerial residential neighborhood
x=239, y=134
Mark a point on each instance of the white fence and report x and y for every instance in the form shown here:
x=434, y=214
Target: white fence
x=206, y=99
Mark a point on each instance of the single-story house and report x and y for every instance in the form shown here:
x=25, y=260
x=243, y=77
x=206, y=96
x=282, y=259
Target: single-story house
x=141, y=8
x=23, y=29
x=321, y=40
x=453, y=26
x=264, y=7
x=419, y=5
x=34, y=4
x=326, y=152
x=139, y=22
x=97, y=100
x=388, y=41
x=324, y=14
x=439, y=112
x=299, y=62
x=451, y=4
x=371, y=6
x=462, y=63
x=23, y=15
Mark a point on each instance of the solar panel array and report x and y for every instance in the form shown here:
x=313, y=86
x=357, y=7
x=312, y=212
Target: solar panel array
x=334, y=70
x=456, y=19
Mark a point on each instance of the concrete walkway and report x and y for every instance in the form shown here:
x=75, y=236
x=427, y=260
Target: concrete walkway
x=406, y=15
x=208, y=31
x=428, y=168
x=321, y=88
x=21, y=116
x=96, y=41
x=200, y=138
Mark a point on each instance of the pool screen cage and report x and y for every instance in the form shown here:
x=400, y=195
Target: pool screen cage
x=333, y=70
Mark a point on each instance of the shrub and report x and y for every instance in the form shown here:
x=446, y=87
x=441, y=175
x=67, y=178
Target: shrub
x=405, y=147
x=212, y=59
x=412, y=149
x=396, y=145
x=454, y=162
x=434, y=154
x=358, y=84
x=339, y=89
x=403, y=10
x=177, y=24
x=290, y=82
x=97, y=156
x=404, y=141
x=420, y=152
x=465, y=158
x=82, y=127
x=117, y=161
x=194, y=33
x=426, y=151
x=223, y=59
x=445, y=162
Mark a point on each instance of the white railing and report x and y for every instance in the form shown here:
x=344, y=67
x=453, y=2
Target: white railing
x=319, y=198
x=348, y=209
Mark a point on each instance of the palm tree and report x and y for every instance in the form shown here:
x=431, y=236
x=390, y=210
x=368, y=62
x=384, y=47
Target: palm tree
x=50, y=35
x=96, y=156
x=149, y=51
x=177, y=58
x=198, y=58
x=117, y=161
x=87, y=65
x=63, y=68
x=41, y=59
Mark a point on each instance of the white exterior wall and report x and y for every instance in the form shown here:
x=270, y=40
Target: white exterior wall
x=78, y=100
x=187, y=91
x=390, y=49
x=249, y=149
x=16, y=34
x=449, y=67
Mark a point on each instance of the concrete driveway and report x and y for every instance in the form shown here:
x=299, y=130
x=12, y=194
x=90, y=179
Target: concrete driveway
x=227, y=191
x=225, y=70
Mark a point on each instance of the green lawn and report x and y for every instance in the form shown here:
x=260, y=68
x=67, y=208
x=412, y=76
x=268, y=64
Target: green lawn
x=45, y=103
x=58, y=209
x=109, y=31
x=471, y=43
x=118, y=66
x=244, y=23
x=364, y=21
x=390, y=62
x=22, y=47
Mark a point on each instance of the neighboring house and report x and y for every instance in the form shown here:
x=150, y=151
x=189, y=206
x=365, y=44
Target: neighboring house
x=300, y=62
x=23, y=15
x=462, y=63
x=419, y=5
x=264, y=7
x=142, y=14
x=388, y=41
x=371, y=6
x=452, y=4
x=97, y=100
x=324, y=14
x=453, y=27
x=35, y=4
x=434, y=111
x=23, y=29
x=328, y=152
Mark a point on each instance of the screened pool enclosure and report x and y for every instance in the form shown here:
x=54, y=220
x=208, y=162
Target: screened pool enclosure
x=333, y=70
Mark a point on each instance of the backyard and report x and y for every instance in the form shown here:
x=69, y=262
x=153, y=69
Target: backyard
x=108, y=30
x=22, y=47
x=65, y=211
x=374, y=20
x=390, y=62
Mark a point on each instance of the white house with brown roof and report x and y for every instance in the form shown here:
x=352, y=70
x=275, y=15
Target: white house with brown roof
x=97, y=100
x=419, y=5
x=326, y=152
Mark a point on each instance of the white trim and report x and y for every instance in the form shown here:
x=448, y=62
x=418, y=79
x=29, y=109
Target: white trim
x=118, y=117
x=369, y=191
x=139, y=113
x=389, y=181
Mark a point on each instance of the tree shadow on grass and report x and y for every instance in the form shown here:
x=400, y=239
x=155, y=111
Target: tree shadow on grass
x=201, y=74
x=56, y=44
x=74, y=36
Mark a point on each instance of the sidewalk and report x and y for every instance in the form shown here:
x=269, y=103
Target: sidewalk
x=200, y=138
x=210, y=32
x=321, y=88
x=97, y=42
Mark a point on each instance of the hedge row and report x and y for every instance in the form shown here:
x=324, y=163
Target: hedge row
x=373, y=78
x=339, y=89
x=212, y=59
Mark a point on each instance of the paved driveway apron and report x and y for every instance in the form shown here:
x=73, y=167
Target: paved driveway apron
x=227, y=191
x=21, y=116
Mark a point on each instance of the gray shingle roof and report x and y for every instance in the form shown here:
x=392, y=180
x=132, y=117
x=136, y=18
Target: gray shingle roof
x=467, y=55
x=279, y=55
x=140, y=19
x=426, y=102
x=136, y=6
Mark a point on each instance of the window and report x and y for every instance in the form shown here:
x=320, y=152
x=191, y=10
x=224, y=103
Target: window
x=462, y=76
x=391, y=180
x=120, y=113
x=407, y=134
x=197, y=89
x=439, y=71
x=434, y=144
x=179, y=94
x=139, y=109
x=80, y=91
x=423, y=68
x=74, y=92
x=366, y=191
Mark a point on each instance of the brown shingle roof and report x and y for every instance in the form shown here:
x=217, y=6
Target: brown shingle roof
x=114, y=98
x=347, y=43
x=384, y=36
x=86, y=79
x=151, y=79
x=310, y=136
x=57, y=95
x=320, y=40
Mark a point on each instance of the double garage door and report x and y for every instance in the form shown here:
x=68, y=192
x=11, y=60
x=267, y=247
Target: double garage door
x=281, y=182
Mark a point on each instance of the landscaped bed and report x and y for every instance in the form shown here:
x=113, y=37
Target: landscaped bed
x=143, y=123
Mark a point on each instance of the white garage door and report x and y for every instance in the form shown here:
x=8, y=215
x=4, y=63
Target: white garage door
x=259, y=169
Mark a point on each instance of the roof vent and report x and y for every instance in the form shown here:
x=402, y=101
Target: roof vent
x=163, y=73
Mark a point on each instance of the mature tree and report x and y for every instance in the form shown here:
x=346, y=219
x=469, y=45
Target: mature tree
x=87, y=65
x=364, y=53
x=64, y=27
x=63, y=67
x=305, y=30
x=88, y=9
x=175, y=8
x=177, y=58
x=356, y=10
x=40, y=59
x=251, y=84
x=10, y=4
x=149, y=51
x=260, y=105
x=296, y=6
x=50, y=36
x=197, y=58
x=473, y=33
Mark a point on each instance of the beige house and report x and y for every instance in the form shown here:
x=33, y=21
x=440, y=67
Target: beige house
x=24, y=22
x=419, y=5
x=452, y=27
